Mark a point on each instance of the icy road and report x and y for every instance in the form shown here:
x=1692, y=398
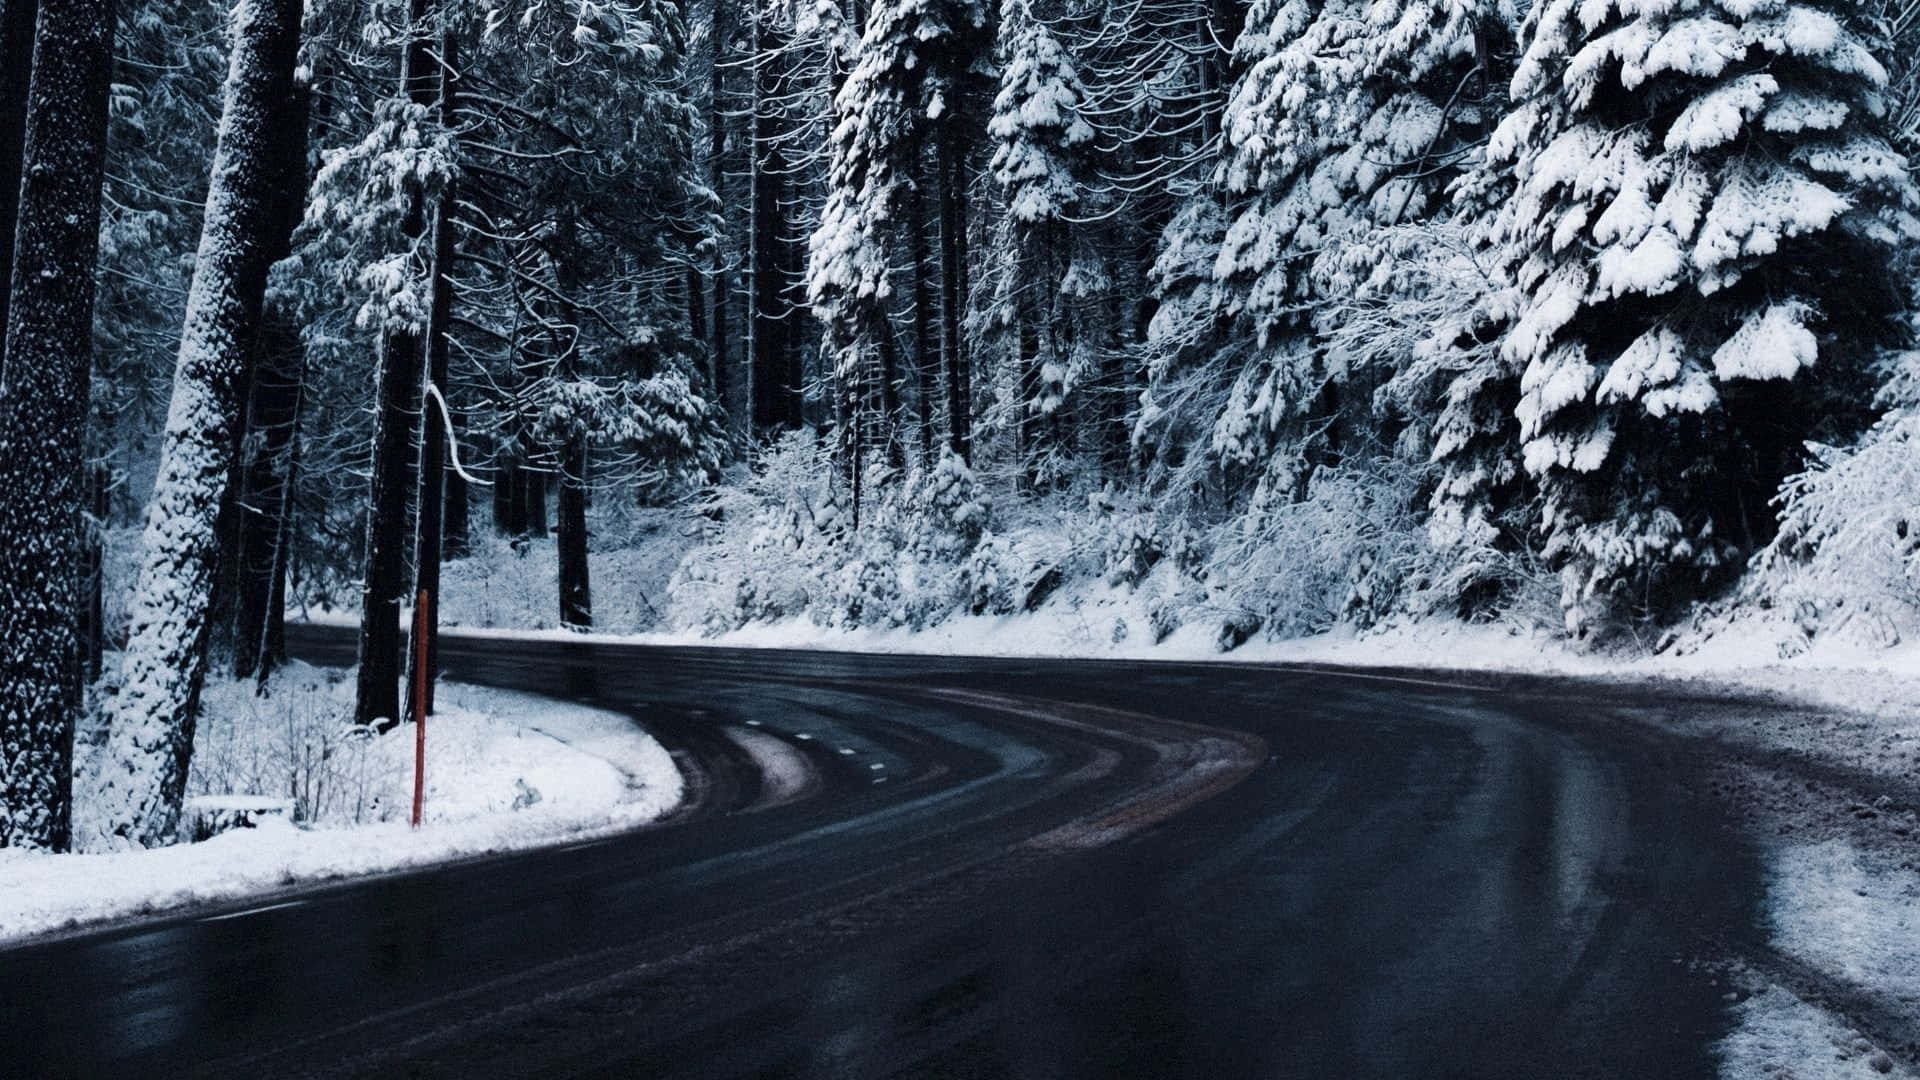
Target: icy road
x=944, y=867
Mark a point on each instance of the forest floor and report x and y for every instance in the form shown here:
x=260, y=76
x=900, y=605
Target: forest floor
x=506, y=772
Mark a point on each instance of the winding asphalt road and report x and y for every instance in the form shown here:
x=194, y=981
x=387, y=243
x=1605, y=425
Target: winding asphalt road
x=995, y=868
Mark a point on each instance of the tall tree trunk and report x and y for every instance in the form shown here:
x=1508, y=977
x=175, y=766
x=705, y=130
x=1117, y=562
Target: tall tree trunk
x=16, y=64
x=777, y=378
x=717, y=160
x=953, y=286
x=272, y=414
x=151, y=720
x=396, y=430
x=272, y=411
x=533, y=504
x=428, y=524
x=576, y=593
x=926, y=344
x=43, y=413
x=458, y=529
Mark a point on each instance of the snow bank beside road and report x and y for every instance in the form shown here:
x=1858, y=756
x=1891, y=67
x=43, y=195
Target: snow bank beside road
x=505, y=771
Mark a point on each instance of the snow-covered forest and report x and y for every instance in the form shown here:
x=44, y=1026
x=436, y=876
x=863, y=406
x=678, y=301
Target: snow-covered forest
x=1269, y=316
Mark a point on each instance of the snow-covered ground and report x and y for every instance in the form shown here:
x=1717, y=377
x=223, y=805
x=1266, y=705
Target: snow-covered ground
x=505, y=771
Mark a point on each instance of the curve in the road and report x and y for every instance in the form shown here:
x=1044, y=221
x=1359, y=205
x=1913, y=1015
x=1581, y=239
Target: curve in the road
x=1036, y=868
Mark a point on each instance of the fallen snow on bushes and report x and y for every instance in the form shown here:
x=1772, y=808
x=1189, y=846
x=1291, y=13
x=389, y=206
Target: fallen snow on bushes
x=505, y=771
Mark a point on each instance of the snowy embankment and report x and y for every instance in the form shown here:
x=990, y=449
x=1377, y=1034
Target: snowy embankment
x=505, y=772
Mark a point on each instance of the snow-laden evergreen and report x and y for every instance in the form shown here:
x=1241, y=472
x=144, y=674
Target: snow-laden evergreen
x=1705, y=200
x=1050, y=275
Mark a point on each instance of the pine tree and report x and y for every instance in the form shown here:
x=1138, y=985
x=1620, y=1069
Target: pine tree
x=1705, y=206
x=43, y=408
x=1049, y=274
x=910, y=72
x=1348, y=117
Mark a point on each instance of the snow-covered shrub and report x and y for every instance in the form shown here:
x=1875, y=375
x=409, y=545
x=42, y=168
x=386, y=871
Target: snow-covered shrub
x=1847, y=558
x=1341, y=553
x=296, y=742
x=773, y=537
x=990, y=579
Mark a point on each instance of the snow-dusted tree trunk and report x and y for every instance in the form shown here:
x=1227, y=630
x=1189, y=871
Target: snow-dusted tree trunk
x=150, y=727
x=16, y=61
x=43, y=410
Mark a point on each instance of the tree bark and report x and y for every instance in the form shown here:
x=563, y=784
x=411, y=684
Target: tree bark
x=576, y=593
x=151, y=720
x=429, y=523
x=396, y=433
x=272, y=415
x=926, y=345
x=43, y=412
x=16, y=60
x=953, y=285
x=777, y=378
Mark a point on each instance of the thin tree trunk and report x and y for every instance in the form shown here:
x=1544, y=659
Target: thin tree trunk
x=953, y=285
x=458, y=531
x=16, y=64
x=926, y=345
x=43, y=412
x=429, y=523
x=151, y=720
x=576, y=593
x=396, y=433
x=271, y=415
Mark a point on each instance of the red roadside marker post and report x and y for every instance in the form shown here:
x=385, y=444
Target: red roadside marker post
x=420, y=677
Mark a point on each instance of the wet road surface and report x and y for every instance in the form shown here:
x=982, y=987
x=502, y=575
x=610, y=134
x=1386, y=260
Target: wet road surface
x=996, y=868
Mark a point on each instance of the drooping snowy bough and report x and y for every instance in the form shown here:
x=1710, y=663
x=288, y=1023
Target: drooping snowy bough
x=1706, y=201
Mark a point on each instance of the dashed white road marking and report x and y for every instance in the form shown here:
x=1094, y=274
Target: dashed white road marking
x=253, y=911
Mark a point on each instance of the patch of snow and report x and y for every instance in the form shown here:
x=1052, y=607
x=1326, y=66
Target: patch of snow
x=596, y=772
x=1779, y=1037
x=1849, y=912
x=785, y=772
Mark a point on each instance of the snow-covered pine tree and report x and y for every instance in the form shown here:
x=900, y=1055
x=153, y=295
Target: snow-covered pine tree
x=1349, y=116
x=1705, y=210
x=1048, y=275
x=151, y=719
x=908, y=72
x=44, y=376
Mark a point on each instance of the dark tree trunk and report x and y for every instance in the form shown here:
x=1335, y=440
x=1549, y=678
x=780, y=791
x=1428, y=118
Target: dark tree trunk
x=576, y=594
x=272, y=412
x=926, y=344
x=16, y=63
x=428, y=523
x=458, y=530
x=777, y=375
x=953, y=285
x=273, y=406
x=96, y=638
x=43, y=415
x=151, y=719
x=507, y=519
x=533, y=504
x=397, y=417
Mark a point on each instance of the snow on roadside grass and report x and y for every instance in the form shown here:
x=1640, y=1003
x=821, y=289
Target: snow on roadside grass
x=1849, y=912
x=1779, y=1037
x=505, y=772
